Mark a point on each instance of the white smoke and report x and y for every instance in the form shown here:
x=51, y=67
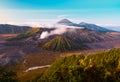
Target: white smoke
x=44, y=35
x=60, y=29
x=56, y=31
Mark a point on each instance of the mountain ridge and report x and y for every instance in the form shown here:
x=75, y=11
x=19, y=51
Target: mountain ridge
x=12, y=29
x=84, y=25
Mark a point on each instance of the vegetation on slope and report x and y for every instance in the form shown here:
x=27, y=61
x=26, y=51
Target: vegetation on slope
x=26, y=34
x=61, y=43
x=100, y=67
x=7, y=76
x=29, y=76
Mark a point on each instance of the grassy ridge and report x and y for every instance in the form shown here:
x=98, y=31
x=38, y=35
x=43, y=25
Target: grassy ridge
x=26, y=34
x=100, y=67
x=61, y=43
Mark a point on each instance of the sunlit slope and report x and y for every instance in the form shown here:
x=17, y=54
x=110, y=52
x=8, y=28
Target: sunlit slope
x=100, y=67
x=26, y=34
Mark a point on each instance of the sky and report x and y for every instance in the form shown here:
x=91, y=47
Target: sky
x=41, y=12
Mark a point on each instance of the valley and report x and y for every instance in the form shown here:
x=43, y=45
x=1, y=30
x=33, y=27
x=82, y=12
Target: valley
x=34, y=51
x=26, y=51
x=59, y=40
x=4, y=37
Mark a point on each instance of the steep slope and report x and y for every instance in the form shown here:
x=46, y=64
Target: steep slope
x=12, y=29
x=66, y=22
x=94, y=27
x=60, y=43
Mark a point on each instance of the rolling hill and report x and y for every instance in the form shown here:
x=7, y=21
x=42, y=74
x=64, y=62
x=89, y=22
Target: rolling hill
x=94, y=27
x=26, y=34
x=12, y=29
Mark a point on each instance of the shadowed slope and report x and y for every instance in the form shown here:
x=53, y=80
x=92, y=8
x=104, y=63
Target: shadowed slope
x=12, y=29
x=60, y=43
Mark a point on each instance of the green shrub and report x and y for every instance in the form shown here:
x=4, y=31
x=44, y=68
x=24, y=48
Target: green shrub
x=100, y=67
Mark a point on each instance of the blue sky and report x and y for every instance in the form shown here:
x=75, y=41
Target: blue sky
x=105, y=12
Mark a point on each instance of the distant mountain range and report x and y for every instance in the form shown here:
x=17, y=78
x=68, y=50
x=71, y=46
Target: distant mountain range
x=12, y=29
x=116, y=28
x=84, y=25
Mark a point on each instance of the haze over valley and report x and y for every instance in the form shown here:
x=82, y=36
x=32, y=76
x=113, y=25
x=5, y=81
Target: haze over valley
x=64, y=37
x=59, y=41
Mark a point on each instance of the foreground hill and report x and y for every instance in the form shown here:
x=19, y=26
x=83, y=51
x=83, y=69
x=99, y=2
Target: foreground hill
x=100, y=67
x=12, y=29
x=61, y=43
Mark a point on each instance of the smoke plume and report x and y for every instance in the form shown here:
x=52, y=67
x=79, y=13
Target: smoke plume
x=60, y=29
x=56, y=31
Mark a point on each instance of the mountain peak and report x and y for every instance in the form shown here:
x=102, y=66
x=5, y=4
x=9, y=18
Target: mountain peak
x=83, y=23
x=64, y=21
x=61, y=43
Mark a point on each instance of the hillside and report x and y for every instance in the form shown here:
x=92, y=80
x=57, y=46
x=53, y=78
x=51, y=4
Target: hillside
x=86, y=35
x=82, y=35
x=12, y=29
x=77, y=34
x=26, y=34
x=60, y=43
x=99, y=67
